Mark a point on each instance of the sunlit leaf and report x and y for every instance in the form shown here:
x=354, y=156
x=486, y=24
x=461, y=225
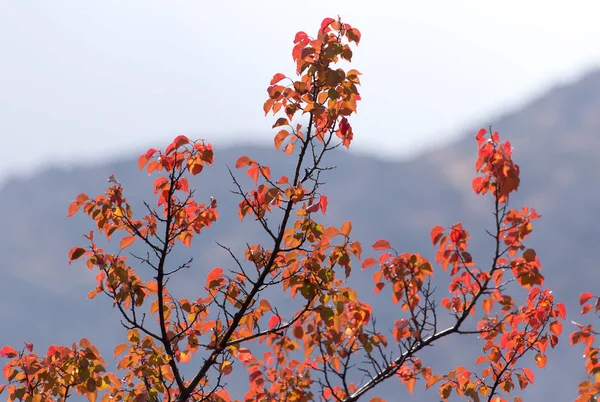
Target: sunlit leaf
x=127, y=241
x=75, y=253
x=382, y=245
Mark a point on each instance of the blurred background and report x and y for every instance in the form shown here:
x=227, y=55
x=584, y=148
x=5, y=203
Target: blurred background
x=90, y=80
x=87, y=86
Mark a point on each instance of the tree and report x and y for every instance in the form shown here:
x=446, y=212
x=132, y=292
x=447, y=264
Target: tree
x=330, y=347
x=589, y=390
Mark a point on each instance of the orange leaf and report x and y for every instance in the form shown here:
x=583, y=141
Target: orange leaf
x=75, y=205
x=214, y=278
x=487, y=305
x=282, y=121
x=289, y=148
x=244, y=355
x=432, y=380
x=127, y=240
x=436, y=233
x=120, y=349
x=280, y=137
x=145, y=158
x=330, y=232
x=353, y=35
x=556, y=327
x=540, y=360
x=226, y=368
x=410, y=384
x=369, y=262
x=266, y=172
x=242, y=161
x=381, y=245
x=185, y=356
x=152, y=287
x=346, y=228
x=75, y=253
x=481, y=359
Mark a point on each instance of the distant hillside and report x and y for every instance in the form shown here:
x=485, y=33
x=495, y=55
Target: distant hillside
x=557, y=144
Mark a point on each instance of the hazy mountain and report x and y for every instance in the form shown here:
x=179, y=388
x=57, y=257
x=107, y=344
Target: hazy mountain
x=557, y=144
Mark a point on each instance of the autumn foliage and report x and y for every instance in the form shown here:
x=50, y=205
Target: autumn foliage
x=312, y=352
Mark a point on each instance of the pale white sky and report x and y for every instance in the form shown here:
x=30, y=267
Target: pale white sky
x=85, y=80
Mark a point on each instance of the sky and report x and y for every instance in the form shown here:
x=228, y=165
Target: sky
x=85, y=81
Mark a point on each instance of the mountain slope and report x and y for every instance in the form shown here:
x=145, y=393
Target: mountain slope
x=557, y=144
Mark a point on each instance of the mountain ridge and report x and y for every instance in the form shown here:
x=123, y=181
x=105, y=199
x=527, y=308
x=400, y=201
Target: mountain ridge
x=556, y=141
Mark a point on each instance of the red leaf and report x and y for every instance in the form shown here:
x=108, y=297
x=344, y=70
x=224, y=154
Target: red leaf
x=529, y=374
x=456, y=234
x=314, y=207
x=300, y=36
x=126, y=241
x=52, y=350
x=585, y=297
x=242, y=161
x=326, y=22
x=323, y=203
x=480, y=134
x=179, y=141
x=276, y=78
x=274, y=321
x=8, y=351
x=29, y=346
x=150, y=152
x=381, y=245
